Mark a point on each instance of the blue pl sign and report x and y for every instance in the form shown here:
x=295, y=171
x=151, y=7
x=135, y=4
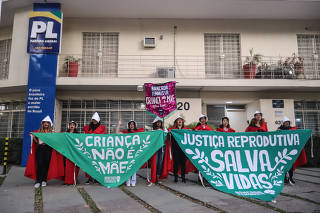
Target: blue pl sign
x=43, y=45
x=44, y=32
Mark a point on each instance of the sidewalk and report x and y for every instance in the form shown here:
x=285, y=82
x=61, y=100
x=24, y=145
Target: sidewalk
x=17, y=195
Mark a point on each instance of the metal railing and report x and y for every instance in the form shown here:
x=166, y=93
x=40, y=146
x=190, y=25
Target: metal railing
x=188, y=67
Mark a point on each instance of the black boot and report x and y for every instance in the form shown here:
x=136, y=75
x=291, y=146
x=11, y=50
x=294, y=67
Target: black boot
x=183, y=180
x=175, y=179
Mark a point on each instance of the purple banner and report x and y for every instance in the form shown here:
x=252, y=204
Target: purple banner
x=161, y=98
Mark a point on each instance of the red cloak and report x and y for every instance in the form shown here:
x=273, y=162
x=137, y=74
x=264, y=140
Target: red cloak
x=71, y=172
x=262, y=128
x=222, y=130
x=56, y=167
x=200, y=127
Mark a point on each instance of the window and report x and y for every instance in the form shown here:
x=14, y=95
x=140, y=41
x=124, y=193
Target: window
x=222, y=55
x=100, y=54
x=307, y=115
x=109, y=111
x=12, y=119
x=215, y=113
x=5, y=47
x=309, y=49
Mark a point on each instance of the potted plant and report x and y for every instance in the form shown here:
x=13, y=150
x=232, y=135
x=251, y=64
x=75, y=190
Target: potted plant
x=250, y=65
x=72, y=66
x=297, y=64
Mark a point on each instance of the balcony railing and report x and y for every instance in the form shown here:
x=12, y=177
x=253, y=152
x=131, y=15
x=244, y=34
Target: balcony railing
x=188, y=67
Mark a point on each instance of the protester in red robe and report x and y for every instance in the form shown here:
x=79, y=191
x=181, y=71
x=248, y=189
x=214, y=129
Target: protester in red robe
x=158, y=158
x=202, y=124
x=95, y=127
x=261, y=123
x=44, y=163
x=132, y=128
x=301, y=160
x=257, y=124
x=179, y=157
x=168, y=162
x=71, y=170
x=225, y=126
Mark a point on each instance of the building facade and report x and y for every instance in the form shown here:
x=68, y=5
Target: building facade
x=104, y=60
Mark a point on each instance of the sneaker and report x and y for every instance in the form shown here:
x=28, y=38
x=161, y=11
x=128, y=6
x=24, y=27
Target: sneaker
x=128, y=184
x=133, y=184
x=37, y=185
x=88, y=181
x=44, y=183
x=150, y=184
x=291, y=181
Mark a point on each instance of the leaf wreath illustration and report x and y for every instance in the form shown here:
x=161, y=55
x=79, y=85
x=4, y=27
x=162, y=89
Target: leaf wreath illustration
x=283, y=157
x=82, y=148
x=204, y=163
x=95, y=164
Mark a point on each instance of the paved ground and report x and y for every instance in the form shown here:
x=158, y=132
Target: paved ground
x=17, y=195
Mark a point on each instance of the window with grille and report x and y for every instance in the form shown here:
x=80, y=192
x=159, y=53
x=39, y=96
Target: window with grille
x=309, y=49
x=100, y=54
x=307, y=115
x=109, y=111
x=222, y=55
x=5, y=47
x=12, y=119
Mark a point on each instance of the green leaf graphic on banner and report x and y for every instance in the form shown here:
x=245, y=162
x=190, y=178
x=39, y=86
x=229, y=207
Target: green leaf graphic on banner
x=249, y=164
x=110, y=159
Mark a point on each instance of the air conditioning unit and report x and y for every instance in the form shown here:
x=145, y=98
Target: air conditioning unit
x=165, y=72
x=149, y=42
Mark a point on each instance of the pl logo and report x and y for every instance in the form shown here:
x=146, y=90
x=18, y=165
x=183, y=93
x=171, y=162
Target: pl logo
x=39, y=27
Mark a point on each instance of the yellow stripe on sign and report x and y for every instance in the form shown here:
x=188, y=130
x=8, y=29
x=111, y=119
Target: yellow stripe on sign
x=45, y=14
x=4, y=163
x=7, y=138
x=5, y=153
x=5, y=148
x=5, y=158
x=6, y=143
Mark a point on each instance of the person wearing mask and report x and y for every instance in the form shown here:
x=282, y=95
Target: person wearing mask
x=225, y=126
x=44, y=163
x=301, y=160
x=95, y=127
x=71, y=170
x=158, y=157
x=202, y=124
x=132, y=128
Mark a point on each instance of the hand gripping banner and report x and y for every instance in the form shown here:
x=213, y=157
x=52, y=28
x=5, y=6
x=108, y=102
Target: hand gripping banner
x=109, y=159
x=245, y=164
x=161, y=98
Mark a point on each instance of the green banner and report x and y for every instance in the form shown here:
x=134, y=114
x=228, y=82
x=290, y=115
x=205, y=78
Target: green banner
x=248, y=164
x=110, y=159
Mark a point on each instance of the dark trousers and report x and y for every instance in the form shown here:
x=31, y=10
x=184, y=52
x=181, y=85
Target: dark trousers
x=179, y=160
x=43, y=156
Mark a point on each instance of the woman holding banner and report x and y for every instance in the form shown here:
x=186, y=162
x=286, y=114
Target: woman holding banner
x=257, y=124
x=225, y=126
x=158, y=158
x=132, y=128
x=94, y=127
x=301, y=160
x=71, y=170
x=202, y=124
x=44, y=163
x=179, y=157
